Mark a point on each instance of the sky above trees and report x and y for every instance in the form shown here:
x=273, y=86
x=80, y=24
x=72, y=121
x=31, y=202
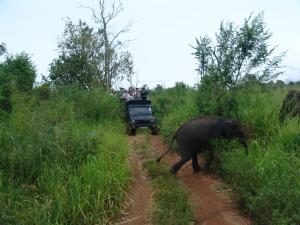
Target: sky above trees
x=161, y=32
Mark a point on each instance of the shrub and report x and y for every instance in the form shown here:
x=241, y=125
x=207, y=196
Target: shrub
x=63, y=160
x=267, y=181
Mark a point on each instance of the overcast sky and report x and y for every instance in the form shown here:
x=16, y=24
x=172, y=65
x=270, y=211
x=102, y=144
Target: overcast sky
x=161, y=32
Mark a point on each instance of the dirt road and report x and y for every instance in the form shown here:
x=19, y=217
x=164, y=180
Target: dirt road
x=212, y=206
x=138, y=207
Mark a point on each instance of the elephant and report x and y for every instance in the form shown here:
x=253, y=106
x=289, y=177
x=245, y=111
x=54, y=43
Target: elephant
x=290, y=106
x=196, y=135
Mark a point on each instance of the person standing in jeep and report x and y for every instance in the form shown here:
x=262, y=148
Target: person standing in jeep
x=144, y=93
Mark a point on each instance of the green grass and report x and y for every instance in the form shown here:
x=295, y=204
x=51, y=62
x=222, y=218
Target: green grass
x=63, y=159
x=267, y=181
x=172, y=205
x=172, y=106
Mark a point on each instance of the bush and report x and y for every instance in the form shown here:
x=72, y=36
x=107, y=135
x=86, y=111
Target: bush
x=63, y=160
x=267, y=181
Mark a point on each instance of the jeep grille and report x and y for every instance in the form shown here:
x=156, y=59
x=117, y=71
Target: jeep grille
x=142, y=122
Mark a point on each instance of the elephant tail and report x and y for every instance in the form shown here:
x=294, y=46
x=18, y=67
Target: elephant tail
x=172, y=140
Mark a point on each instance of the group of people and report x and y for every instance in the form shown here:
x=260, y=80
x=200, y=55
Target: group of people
x=134, y=93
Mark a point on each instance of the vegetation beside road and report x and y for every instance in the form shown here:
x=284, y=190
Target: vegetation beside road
x=63, y=149
x=266, y=181
x=63, y=158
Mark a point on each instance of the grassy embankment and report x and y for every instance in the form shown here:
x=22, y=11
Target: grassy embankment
x=63, y=158
x=267, y=182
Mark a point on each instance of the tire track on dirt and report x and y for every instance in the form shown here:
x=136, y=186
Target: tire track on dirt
x=138, y=207
x=212, y=207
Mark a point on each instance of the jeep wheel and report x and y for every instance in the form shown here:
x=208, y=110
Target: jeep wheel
x=154, y=130
x=131, y=131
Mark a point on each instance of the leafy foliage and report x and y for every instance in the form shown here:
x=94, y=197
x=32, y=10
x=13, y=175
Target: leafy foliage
x=20, y=70
x=239, y=51
x=16, y=73
x=2, y=48
x=240, y=54
x=80, y=57
x=83, y=59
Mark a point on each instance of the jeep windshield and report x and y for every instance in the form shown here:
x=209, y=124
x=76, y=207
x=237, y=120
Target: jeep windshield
x=140, y=110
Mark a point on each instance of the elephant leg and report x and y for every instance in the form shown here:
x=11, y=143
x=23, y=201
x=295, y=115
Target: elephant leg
x=180, y=163
x=209, y=159
x=195, y=164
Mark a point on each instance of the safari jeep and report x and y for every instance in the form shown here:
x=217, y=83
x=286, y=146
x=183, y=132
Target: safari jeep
x=139, y=114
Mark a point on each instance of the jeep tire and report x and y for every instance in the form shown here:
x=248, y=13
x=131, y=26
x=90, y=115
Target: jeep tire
x=131, y=131
x=154, y=130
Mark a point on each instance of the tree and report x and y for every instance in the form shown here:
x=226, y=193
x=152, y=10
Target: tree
x=20, y=71
x=158, y=88
x=88, y=57
x=203, y=55
x=80, y=57
x=117, y=63
x=238, y=51
x=2, y=48
x=16, y=72
x=239, y=56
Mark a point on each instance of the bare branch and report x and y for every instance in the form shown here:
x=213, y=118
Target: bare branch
x=124, y=30
x=104, y=16
x=115, y=10
x=93, y=12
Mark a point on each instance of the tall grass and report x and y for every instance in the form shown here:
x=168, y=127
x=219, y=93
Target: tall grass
x=267, y=181
x=63, y=159
x=172, y=107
